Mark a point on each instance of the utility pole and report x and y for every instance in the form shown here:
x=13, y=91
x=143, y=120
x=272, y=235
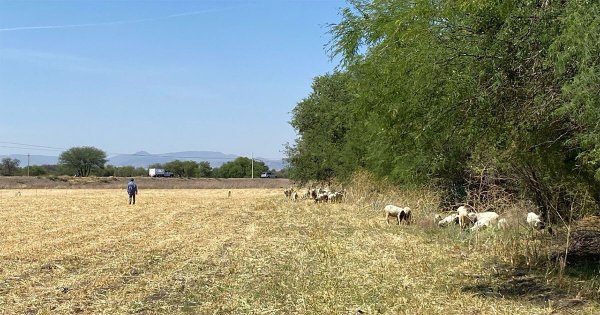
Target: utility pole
x=252, y=165
x=27, y=164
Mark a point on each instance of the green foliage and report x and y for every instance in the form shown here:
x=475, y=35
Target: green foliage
x=282, y=173
x=182, y=168
x=140, y=171
x=323, y=121
x=435, y=90
x=82, y=160
x=126, y=171
x=36, y=170
x=108, y=170
x=186, y=168
x=241, y=167
x=204, y=169
x=575, y=53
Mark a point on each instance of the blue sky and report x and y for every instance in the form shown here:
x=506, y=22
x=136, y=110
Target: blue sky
x=158, y=76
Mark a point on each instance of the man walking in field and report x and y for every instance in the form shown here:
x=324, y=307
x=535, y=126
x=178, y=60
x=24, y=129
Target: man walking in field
x=132, y=191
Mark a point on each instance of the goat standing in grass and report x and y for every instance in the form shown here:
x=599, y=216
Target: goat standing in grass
x=288, y=192
x=401, y=214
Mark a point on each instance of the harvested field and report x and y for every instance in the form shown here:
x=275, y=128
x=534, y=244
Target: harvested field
x=196, y=251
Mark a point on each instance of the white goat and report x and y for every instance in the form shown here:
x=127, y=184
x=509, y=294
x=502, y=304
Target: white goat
x=451, y=219
x=307, y=194
x=335, y=196
x=485, y=219
x=534, y=221
x=401, y=214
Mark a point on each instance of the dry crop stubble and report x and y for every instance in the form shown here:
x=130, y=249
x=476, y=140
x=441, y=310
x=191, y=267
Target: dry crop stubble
x=200, y=252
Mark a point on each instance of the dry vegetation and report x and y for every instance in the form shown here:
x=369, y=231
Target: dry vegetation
x=199, y=252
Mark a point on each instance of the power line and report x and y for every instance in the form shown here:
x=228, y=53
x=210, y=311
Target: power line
x=32, y=145
x=28, y=148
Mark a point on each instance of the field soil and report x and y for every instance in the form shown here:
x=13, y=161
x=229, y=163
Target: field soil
x=58, y=182
x=203, y=251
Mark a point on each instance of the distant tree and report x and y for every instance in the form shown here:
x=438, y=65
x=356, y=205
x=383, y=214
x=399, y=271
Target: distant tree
x=121, y=171
x=204, y=169
x=190, y=169
x=52, y=169
x=108, y=170
x=10, y=166
x=140, y=171
x=176, y=167
x=182, y=168
x=323, y=121
x=82, y=160
x=125, y=171
x=240, y=168
x=36, y=170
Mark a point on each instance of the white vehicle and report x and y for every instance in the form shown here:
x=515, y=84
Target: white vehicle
x=268, y=175
x=159, y=172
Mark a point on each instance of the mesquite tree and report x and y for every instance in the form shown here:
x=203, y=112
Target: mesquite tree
x=82, y=160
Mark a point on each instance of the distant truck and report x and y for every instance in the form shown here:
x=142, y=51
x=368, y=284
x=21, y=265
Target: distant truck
x=268, y=175
x=159, y=172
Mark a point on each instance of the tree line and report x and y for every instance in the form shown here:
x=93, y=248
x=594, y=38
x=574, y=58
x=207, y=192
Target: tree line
x=90, y=161
x=461, y=95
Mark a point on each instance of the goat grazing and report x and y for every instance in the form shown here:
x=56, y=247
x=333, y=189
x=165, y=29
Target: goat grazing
x=401, y=214
x=485, y=219
x=535, y=221
x=335, y=196
x=451, y=219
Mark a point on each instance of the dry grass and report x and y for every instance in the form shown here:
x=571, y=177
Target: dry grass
x=199, y=252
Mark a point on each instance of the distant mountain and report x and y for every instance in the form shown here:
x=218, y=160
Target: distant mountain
x=144, y=159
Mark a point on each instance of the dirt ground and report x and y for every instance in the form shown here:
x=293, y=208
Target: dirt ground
x=58, y=182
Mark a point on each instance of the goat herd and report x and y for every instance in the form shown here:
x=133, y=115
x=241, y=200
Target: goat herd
x=317, y=194
x=462, y=217
x=477, y=220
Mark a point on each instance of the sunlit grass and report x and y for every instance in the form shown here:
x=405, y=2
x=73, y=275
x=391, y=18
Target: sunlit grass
x=200, y=252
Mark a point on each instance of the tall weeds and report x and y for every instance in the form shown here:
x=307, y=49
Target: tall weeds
x=516, y=247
